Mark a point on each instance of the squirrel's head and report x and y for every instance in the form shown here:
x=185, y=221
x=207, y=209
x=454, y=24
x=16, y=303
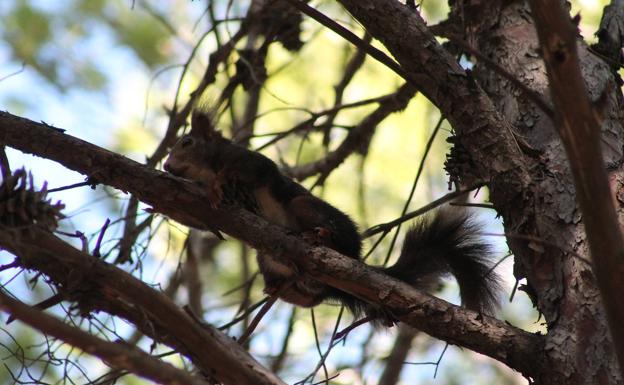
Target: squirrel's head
x=186, y=156
x=190, y=157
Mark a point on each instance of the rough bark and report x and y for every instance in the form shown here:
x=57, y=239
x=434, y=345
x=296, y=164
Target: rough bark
x=578, y=123
x=531, y=185
x=580, y=348
x=494, y=154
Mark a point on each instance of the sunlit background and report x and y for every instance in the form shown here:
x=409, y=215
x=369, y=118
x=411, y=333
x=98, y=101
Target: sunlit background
x=106, y=71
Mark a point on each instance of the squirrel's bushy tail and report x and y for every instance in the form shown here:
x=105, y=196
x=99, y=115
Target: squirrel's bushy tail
x=449, y=242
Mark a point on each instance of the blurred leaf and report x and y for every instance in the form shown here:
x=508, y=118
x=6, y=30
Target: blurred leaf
x=133, y=139
x=90, y=76
x=18, y=104
x=27, y=30
x=90, y=7
x=143, y=35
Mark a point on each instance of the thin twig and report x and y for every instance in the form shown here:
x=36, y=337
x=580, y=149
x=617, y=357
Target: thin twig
x=345, y=332
x=5, y=167
x=349, y=36
x=384, y=227
x=116, y=355
x=408, y=201
x=238, y=319
x=71, y=186
x=96, y=250
x=256, y=320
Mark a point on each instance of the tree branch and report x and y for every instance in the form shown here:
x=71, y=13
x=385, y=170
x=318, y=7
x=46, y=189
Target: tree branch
x=116, y=355
x=185, y=202
x=98, y=286
x=357, y=137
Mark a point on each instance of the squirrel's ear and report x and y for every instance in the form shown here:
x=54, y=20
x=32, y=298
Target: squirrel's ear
x=202, y=125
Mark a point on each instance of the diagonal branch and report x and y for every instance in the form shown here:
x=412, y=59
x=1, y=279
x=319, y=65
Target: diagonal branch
x=358, y=137
x=98, y=286
x=186, y=203
x=116, y=355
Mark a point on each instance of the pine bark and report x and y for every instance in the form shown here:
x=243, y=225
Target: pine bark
x=531, y=184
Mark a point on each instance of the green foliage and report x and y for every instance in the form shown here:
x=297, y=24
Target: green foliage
x=27, y=30
x=91, y=8
x=138, y=32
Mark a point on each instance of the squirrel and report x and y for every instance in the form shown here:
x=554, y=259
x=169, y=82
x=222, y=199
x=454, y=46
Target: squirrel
x=446, y=243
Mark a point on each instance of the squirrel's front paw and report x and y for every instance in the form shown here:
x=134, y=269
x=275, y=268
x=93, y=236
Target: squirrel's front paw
x=215, y=195
x=271, y=290
x=215, y=190
x=318, y=236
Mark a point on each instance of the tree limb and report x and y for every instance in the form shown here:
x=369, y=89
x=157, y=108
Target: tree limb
x=357, y=137
x=98, y=286
x=116, y=355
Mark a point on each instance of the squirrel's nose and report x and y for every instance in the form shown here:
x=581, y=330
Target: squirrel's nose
x=167, y=166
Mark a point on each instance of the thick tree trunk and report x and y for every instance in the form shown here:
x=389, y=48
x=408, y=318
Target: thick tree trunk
x=578, y=347
x=531, y=184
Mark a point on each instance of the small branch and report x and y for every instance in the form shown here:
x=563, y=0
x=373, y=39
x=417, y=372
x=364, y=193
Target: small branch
x=98, y=244
x=71, y=186
x=322, y=355
x=11, y=265
x=349, y=36
x=179, y=118
x=129, y=232
x=104, y=287
x=5, y=167
x=245, y=314
x=14, y=73
x=385, y=227
x=256, y=320
x=479, y=126
x=357, y=137
x=191, y=272
x=117, y=356
x=352, y=67
x=408, y=201
x=345, y=332
x=314, y=116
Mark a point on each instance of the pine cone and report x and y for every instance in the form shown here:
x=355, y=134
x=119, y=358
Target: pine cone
x=21, y=205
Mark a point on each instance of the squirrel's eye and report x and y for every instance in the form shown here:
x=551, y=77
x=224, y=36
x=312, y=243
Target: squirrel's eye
x=187, y=141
